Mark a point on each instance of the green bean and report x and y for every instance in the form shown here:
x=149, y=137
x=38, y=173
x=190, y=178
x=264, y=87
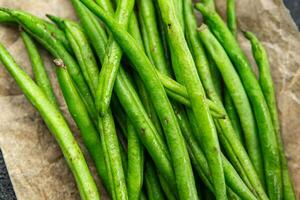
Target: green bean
x=233, y=116
x=46, y=34
x=178, y=7
x=135, y=111
x=231, y=17
x=81, y=49
x=241, y=102
x=266, y=134
x=214, y=72
x=229, y=105
x=112, y=60
x=233, y=179
x=6, y=18
x=39, y=71
x=154, y=191
x=165, y=187
x=267, y=86
x=57, y=125
x=181, y=163
x=135, y=164
x=240, y=98
x=111, y=149
x=185, y=66
x=110, y=145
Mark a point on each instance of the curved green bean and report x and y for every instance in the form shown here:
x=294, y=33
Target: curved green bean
x=112, y=60
x=46, y=34
x=267, y=86
x=39, y=71
x=57, y=125
x=266, y=134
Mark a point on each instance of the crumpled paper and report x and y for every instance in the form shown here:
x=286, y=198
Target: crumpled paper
x=34, y=160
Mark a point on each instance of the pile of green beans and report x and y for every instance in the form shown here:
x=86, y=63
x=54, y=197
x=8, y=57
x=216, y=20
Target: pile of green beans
x=180, y=116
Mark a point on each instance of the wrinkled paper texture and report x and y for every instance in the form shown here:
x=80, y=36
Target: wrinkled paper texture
x=34, y=160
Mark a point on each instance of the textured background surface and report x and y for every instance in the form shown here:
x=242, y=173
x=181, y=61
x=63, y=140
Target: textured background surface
x=6, y=191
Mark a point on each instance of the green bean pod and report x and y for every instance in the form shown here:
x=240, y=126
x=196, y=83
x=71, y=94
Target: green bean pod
x=232, y=178
x=112, y=59
x=267, y=86
x=83, y=53
x=6, y=18
x=113, y=161
x=181, y=163
x=39, y=71
x=231, y=17
x=228, y=103
x=154, y=191
x=57, y=125
x=233, y=116
x=240, y=98
x=185, y=66
x=135, y=163
x=266, y=134
x=45, y=33
x=135, y=111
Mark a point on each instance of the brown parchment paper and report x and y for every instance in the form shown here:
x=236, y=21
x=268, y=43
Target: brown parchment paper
x=35, y=163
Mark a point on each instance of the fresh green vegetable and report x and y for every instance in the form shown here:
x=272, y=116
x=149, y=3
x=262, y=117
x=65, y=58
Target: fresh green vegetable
x=46, y=34
x=185, y=67
x=135, y=164
x=136, y=113
x=39, y=70
x=235, y=87
x=57, y=125
x=267, y=137
x=181, y=163
x=154, y=191
x=112, y=59
x=267, y=86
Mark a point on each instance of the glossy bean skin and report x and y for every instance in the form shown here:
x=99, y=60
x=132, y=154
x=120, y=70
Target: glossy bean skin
x=79, y=113
x=229, y=106
x=134, y=109
x=109, y=140
x=39, y=71
x=179, y=155
x=241, y=102
x=46, y=34
x=269, y=146
x=112, y=59
x=113, y=160
x=154, y=191
x=135, y=172
x=185, y=66
x=267, y=86
x=236, y=90
x=231, y=17
x=57, y=125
